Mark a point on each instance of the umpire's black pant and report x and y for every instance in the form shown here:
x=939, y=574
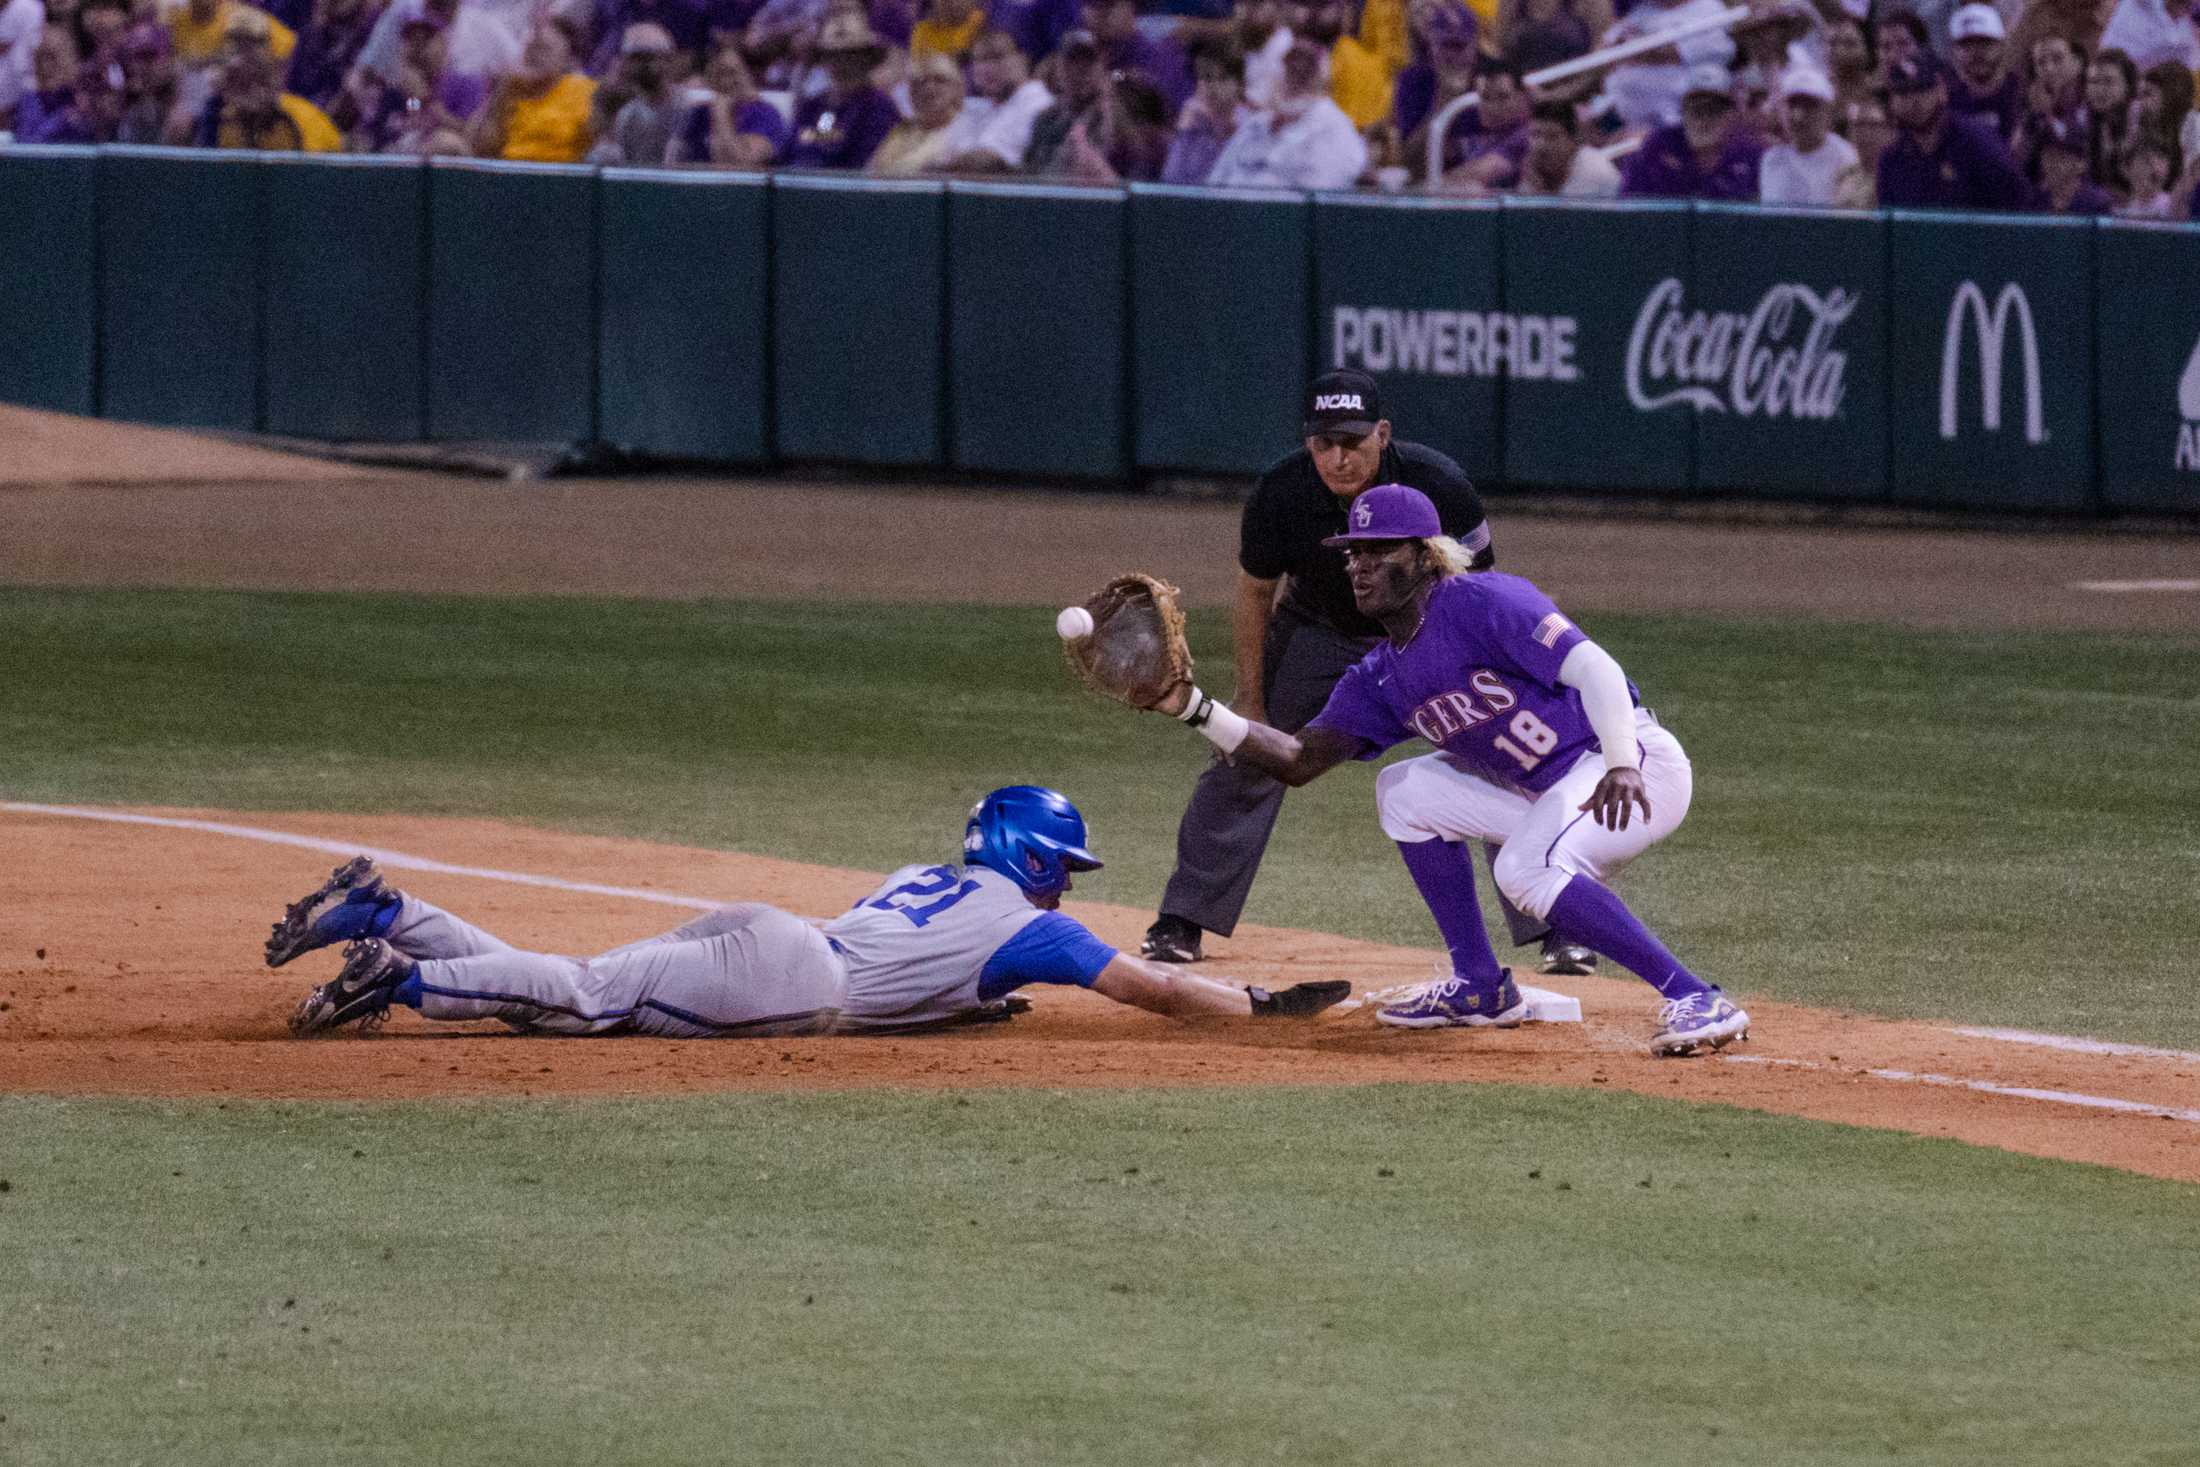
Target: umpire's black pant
x=1233, y=810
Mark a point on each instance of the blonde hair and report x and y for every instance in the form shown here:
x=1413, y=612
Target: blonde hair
x=1449, y=556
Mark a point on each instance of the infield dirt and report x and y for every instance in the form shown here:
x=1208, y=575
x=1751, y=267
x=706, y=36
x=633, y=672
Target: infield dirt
x=118, y=975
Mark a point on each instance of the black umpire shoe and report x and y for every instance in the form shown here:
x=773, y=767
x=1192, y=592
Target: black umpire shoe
x=1171, y=940
x=1563, y=959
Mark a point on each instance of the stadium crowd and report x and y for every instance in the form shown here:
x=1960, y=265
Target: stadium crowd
x=2063, y=106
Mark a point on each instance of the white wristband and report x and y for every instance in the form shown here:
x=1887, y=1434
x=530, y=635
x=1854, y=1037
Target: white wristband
x=1215, y=721
x=1225, y=728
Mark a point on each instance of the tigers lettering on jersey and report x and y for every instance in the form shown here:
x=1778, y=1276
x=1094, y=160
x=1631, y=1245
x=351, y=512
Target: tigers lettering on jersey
x=1456, y=710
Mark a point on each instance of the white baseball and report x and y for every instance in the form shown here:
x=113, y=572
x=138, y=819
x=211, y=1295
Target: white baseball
x=1072, y=622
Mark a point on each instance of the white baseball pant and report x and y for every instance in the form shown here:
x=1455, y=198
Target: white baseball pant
x=1547, y=839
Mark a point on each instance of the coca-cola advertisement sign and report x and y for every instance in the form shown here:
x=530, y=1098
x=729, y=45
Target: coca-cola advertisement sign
x=1774, y=360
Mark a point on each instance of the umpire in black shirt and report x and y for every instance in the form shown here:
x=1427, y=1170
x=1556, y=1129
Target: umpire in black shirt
x=1293, y=647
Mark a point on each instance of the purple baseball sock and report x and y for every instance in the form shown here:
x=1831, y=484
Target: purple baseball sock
x=1588, y=913
x=1444, y=872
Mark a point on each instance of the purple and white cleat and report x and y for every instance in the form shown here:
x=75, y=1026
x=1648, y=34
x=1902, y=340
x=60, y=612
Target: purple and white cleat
x=1452, y=1003
x=1697, y=1022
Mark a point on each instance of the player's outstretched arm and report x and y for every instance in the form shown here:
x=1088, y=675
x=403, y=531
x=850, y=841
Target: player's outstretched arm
x=1294, y=760
x=1167, y=989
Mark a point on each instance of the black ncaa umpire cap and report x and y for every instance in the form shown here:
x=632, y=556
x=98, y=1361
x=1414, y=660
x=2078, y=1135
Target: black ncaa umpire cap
x=1343, y=402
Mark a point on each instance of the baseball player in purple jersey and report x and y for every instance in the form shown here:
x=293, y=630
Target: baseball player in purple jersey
x=1542, y=749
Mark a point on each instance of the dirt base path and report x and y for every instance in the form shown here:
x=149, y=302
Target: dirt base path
x=140, y=974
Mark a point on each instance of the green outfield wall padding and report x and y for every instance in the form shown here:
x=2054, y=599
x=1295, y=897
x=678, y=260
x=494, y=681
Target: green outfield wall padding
x=180, y=287
x=2148, y=362
x=346, y=308
x=684, y=339
x=1407, y=291
x=1991, y=326
x=1956, y=361
x=1220, y=301
x=48, y=278
x=1038, y=313
x=1593, y=409
x=511, y=302
x=859, y=296
x=1779, y=346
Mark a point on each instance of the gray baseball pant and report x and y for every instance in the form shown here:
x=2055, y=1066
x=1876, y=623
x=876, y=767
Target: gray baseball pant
x=747, y=969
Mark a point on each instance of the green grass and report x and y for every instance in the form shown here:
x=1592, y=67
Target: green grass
x=1987, y=827
x=1371, y=1275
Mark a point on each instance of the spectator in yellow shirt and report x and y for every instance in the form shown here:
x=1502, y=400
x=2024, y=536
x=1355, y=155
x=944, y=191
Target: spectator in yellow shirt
x=250, y=109
x=540, y=113
x=1386, y=29
x=1359, y=83
x=949, y=28
x=197, y=28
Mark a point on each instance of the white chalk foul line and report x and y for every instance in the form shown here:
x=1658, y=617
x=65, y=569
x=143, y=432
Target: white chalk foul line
x=2079, y=1046
x=394, y=860
x=2019, y=1092
x=2115, y=588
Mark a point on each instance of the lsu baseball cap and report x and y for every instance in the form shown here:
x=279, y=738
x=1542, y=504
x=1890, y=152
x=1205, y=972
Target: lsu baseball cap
x=1390, y=512
x=1342, y=402
x=1972, y=22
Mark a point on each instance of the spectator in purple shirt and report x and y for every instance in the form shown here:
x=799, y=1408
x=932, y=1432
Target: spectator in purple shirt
x=1450, y=32
x=427, y=98
x=1704, y=156
x=842, y=126
x=51, y=111
x=1942, y=161
x=149, y=84
x=1129, y=51
x=1214, y=113
x=1984, y=85
x=2064, y=188
x=1495, y=145
x=328, y=45
x=731, y=125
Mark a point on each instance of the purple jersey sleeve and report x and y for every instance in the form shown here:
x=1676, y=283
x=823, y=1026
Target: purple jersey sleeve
x=1526, y=628
x=1355, y=710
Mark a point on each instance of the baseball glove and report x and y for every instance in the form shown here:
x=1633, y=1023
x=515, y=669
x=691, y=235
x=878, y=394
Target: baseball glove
x=1135, y=652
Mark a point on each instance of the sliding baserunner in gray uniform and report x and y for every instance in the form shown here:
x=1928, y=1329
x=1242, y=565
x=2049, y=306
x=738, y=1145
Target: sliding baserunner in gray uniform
x=933, y=945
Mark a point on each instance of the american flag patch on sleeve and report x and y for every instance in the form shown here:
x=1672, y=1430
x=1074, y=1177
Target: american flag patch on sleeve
x=1551, y=628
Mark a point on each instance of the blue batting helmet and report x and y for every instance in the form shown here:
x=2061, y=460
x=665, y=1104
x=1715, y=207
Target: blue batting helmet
x=1031, y=835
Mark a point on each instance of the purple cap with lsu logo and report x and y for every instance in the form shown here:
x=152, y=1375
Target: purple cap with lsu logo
x=1390, y=512
x=1342, y=402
